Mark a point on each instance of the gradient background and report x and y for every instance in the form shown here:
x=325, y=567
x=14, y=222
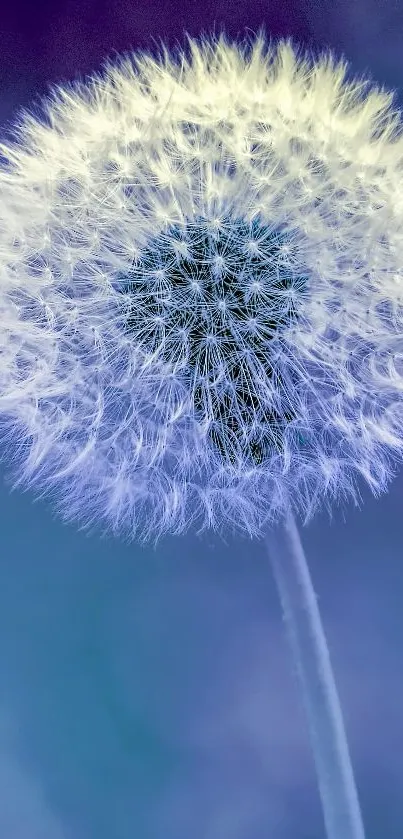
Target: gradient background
x=150, y=695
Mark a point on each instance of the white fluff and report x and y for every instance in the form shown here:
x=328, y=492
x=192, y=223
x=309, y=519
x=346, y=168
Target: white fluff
x=107, y=401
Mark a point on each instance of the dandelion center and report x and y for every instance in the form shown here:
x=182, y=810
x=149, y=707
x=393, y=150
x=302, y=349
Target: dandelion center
x=210, y=298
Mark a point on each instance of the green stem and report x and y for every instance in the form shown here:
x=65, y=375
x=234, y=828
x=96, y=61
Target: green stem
x=307, y=639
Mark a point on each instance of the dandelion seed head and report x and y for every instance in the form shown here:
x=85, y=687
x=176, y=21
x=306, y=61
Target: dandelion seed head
x=200, y=290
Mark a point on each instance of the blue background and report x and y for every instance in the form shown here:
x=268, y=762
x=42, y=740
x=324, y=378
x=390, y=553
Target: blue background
x=150, y=694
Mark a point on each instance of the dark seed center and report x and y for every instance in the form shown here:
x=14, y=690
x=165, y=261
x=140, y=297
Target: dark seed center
x=209, y=299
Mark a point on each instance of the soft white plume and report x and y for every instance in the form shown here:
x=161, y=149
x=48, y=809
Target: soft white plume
x=201, y=289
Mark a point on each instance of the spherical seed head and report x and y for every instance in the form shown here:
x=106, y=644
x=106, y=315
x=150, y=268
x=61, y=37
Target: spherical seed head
x=202, y=289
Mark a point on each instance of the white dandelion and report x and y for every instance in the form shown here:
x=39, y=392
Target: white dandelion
x=201, y=297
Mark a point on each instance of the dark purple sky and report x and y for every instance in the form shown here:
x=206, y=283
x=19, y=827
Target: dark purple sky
x=148, y=694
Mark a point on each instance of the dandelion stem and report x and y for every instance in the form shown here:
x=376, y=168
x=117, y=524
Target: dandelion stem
x=307, y=639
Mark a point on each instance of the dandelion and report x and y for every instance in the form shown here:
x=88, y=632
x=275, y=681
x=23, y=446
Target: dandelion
x=201, y=297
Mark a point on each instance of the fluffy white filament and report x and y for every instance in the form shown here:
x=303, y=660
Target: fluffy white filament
x=105, y=402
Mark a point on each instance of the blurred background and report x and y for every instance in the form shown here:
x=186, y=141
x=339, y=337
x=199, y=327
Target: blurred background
x=151, y=694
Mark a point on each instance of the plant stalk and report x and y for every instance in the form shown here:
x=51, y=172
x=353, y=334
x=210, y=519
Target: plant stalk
x=307, y=639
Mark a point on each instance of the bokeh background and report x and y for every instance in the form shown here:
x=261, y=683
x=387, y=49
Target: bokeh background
x=149, y=694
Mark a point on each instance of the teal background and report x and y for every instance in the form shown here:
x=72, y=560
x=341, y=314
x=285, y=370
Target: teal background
x=150, y=693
